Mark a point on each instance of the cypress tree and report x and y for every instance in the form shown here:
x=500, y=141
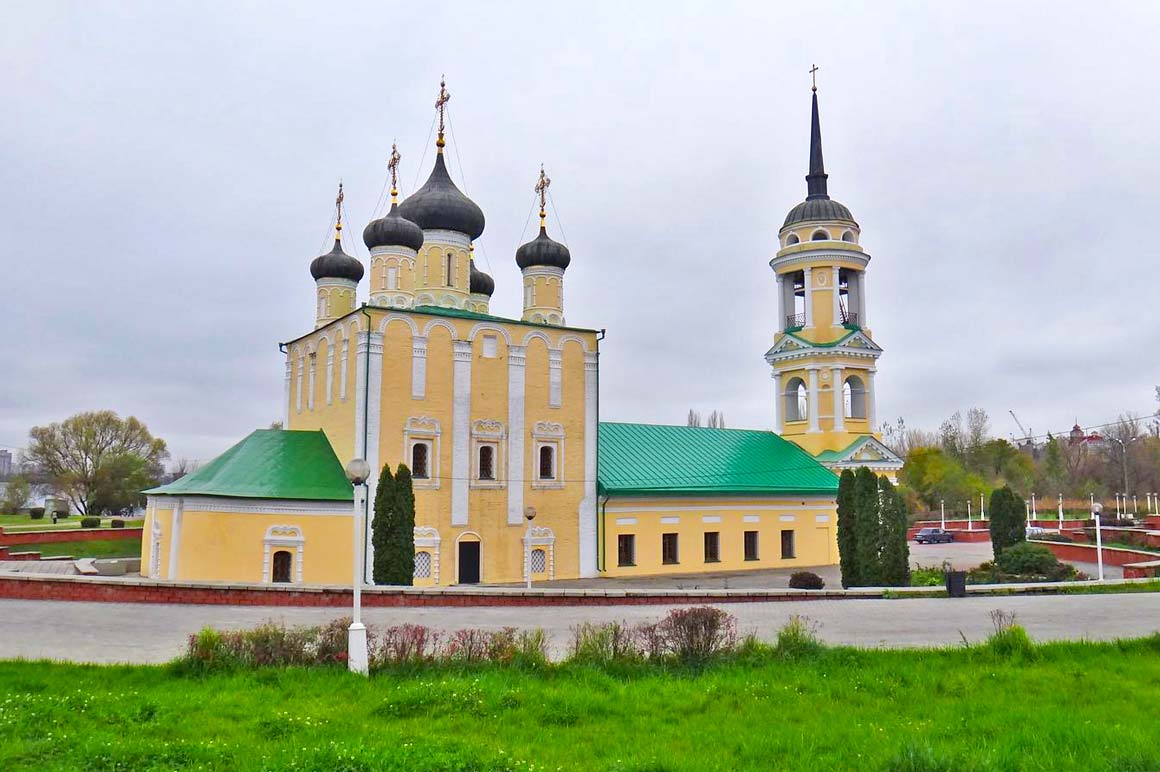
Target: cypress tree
x=866, y=525
x=1007, y=520
x=847, y=533
x=893, y=551
x=401, y=539
x=381, y=525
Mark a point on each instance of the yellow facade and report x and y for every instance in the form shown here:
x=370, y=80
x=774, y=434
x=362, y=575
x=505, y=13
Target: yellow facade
x=809, y=522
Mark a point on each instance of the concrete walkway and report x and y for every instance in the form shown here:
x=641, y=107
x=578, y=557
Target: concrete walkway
x=148, y=633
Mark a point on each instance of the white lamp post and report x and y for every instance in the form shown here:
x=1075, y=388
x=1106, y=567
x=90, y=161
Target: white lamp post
x=982, y=510
x=1034, y=514
x=969, y=515
x=529, y=515
x=357, y=471
x=1060, y=521
x=1099, y=541
x=942, y=508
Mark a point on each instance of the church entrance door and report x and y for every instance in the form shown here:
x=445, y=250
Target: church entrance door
x=469, y=562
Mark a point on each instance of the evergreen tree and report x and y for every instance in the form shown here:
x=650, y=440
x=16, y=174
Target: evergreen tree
x=401, y=538
x=866, y=525
x=893, y=551
x=1007, y=519
x=847, y=529
x=385, y=502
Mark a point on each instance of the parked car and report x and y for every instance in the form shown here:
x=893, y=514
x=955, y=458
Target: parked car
x=933, y=536
x=1034, y=531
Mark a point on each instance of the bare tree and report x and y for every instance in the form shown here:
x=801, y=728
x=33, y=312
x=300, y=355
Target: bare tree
x=694, y=418
x=978, y=428
x=716, y=420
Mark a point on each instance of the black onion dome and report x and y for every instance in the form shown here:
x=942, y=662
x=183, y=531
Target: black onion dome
x=336, y=264
x=439, y=205
x=392, y=230
x=543, y=251
x=481, y=283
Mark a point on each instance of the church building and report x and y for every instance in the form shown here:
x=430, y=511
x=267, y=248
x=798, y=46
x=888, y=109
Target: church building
x=498, y=420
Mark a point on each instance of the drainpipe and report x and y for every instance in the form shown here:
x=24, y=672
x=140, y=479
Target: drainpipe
x=601, y=558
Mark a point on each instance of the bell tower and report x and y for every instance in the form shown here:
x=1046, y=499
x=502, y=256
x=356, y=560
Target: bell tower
x=824, y=357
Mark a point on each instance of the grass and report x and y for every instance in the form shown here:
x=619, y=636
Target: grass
x=1008, y=705
x=98, y=548
x=18, y=523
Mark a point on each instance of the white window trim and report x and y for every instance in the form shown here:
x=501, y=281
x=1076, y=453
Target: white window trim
x=550, y=434
x=493, y=433
x=427, y=430
x=427, y=540
x=542, y=538
x=278, y=536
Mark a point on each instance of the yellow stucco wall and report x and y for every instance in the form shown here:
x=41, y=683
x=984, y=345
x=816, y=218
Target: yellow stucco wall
x=812, y=520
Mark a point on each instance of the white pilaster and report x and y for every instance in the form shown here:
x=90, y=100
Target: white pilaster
x=837, y=313
x=418, y=367
x=809, y=295
x=778, y=403
x=781, y=312
x=286, y=395
x=555, y=371
x=864, y=319
x=871, y=399
x=839, y=400
x=588, y=541
x=298, y=383
x=460, y=430
x=310, y=385
x=813, y=395
x=329, y=375
x=175, y=536
x=374, y=430
x=517, y=360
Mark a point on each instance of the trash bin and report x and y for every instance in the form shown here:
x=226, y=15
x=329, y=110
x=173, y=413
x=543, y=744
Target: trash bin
x=957, y=584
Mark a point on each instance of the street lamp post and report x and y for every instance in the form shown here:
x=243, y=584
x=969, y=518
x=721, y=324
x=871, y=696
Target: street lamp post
x=942, y=508
x=529, y=515
x=1060, y=521
x=1124, y=463
x=1099, y=541
x=357, y=471
x=969, y=515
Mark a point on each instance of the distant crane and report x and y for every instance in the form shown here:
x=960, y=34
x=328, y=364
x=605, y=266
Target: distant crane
x=1026, y=433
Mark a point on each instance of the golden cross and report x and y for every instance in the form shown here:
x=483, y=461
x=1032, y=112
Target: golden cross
x=441, y=106
x=814, y=77
x=338, y=206
x=542, y=189
x=393, y=166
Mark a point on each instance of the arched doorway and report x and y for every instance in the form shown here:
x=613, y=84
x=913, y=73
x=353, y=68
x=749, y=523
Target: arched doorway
x=282, y=562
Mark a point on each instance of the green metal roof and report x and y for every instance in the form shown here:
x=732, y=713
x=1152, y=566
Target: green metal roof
x=270, y=464
x=651, y=460
x=831, y=344
x=838, y=455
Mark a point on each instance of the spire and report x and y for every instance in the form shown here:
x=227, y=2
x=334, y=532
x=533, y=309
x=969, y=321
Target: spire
x=441, y=105
x=338, y=215
x=542, y=191
x=816, y=179
x=393, y=167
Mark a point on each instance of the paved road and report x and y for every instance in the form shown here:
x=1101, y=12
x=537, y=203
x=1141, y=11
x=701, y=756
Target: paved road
x=113, y=632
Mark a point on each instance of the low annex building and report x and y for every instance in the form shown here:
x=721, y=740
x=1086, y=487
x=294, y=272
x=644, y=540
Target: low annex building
x=498, y=418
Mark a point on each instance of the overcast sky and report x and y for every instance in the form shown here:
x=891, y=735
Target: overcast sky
x=167, y=172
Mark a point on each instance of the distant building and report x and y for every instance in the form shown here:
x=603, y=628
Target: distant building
x=5, y=463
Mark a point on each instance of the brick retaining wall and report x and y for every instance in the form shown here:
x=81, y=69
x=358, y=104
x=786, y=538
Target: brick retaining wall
x=58, y=536
x=1086, y=553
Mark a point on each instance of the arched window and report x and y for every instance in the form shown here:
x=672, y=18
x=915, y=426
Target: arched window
x=797, y=402
x=547, y=462
x=420, y=453
x=820, y=235
x=486, y=462
x=854, y=397
x=450, y=273
x=282, y=562
x=791, y=239
x=848, y=236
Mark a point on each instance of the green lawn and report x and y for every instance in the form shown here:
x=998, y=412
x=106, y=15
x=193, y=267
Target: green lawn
x=100, y=548
x=16, y=523
x=1078, y=706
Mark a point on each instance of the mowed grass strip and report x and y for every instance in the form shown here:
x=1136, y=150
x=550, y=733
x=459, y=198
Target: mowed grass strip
x=1073, y=706
x=97, y=548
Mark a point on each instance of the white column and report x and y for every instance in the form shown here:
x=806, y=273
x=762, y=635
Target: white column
x=778, y=403
x=343, y=364
x=175, y=536
x=517, y=359
x=418, y=367
x=298, y=383
x=310, y=386
x=837, y=317
x=460, y=430
x=813, y=393
x=782, y=313
x=871, y=399
x=588, y=542
x=374, y=440
x=555, y=369
x=329, y=375
x=839, y=399
x=864, y=313
x=809, y=284
x=286, y=395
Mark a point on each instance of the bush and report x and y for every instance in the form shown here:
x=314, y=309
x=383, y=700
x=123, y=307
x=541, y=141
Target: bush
x=36, y=513
x=601, y=644
x=1024, y=558
x=1056, y=537
x=90, y=522
x=1009, y=639
x=117, y=524
x=405, y=645
x=798, y=639
x=698, y=633
x=929, y=576
x=806, y=580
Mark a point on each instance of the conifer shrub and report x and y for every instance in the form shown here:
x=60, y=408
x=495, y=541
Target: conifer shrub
x=36, y=513
x=1007, y=520
x=116, y=523
x=806, y=580
x=90, y=522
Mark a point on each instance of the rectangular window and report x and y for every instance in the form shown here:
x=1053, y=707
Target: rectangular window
x=669, y=554
x=712, y=546
x=751, y=545
x=487, y=462
x=392, y=278
x=420, y=461
x=787, y=547
x=422, y=565
x=490, y=344
x=450, y=270
x=626, y=550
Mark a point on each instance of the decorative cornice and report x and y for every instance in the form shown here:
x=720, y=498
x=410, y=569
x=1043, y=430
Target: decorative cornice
x=547, y=429
x=544, y=270
x=486, y=427
x=230, y=505
x=393, y=250
x=821, y=255
x=423, y=423
x=449, y=238
x=461, y=350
